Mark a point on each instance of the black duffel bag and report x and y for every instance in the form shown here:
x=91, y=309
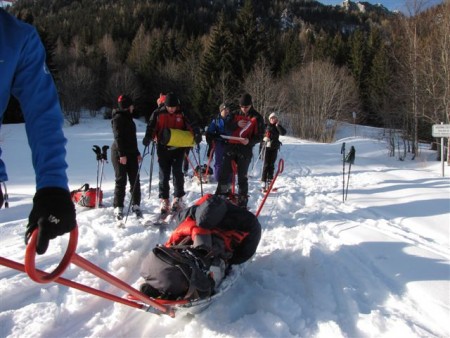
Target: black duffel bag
x=173, y=273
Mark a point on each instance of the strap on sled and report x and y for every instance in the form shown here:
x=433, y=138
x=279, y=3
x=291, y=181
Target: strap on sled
x=178, y=259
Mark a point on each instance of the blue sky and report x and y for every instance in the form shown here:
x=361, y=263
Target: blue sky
x=389, y=4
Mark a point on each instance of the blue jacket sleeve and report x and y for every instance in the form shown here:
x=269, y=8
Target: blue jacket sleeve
x=34, y=87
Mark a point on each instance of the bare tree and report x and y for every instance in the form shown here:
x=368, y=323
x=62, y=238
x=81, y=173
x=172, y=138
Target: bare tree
x=140, y=47
x=268, y=94
x=78, y=82
x=318, y=93
x=123, y=81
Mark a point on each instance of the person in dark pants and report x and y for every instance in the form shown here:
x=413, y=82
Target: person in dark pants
x=125, y=157
x=248, y=125
x=213, y=137
x=271, y=147
x=170, y=158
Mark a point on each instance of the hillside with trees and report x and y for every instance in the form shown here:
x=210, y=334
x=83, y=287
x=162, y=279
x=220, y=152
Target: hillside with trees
x=308, y=61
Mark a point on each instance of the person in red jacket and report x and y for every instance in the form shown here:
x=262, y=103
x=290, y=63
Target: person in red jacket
x=248, y=125
x=170, y=158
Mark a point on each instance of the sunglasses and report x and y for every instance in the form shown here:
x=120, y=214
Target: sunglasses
x=245, y=107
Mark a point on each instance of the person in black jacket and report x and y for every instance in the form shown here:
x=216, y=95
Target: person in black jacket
x=271, y=147
x=125, y=157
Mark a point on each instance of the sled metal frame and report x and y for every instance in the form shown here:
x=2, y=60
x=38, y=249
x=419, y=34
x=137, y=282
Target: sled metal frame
x=145, y=303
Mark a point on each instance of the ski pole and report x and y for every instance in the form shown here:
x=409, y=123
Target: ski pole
x=350, y=159
x=99, y=189
x=135, y=183
x=186, y=156
x=343, y=170
x=5, y=195
x=152, y=154
x=98, y=154
x=213, y=147
x=200, y=170
x=263, y=147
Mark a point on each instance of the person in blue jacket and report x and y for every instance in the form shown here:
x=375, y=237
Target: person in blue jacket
x=215, y=129
x=24, y=75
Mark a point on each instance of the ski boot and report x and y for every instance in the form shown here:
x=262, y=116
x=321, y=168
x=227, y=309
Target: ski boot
x=137, y=211
x=165, y=207
x=118, y=213
x=177, y=205
x=242, y=201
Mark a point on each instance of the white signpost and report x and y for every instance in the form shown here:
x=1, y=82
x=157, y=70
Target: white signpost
x=441, y=130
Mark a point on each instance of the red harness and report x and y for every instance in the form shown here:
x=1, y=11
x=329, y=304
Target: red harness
x=189, y=228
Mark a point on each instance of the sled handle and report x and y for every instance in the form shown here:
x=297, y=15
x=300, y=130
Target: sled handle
x=279, y=171
x=280, y=166
x=30, y=256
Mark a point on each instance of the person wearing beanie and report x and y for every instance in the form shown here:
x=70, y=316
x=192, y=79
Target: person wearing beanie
x=245, y=100
x=271, y=146
x=170, y=158
x=124, y=102
x=125, y=157
x=213, y=137
x=248, y=126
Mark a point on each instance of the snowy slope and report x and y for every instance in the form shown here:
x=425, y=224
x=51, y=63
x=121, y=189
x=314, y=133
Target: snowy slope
x=374, y=266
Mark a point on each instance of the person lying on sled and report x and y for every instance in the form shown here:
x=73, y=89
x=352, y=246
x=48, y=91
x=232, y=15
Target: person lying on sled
x=212, y=235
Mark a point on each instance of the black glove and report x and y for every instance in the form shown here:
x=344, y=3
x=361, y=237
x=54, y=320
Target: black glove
x=53, y=214
x=146, y=141
x=198, y=138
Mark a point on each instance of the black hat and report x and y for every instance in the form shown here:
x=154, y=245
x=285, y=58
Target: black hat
x=171, y=100
x=245, y=100
x=124, y=101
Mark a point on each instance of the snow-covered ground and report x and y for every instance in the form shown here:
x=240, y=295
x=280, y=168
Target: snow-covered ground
x=376, y=265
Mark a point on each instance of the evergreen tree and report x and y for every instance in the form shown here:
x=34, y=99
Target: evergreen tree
x=293, y=52
x=216, y=68
x=248, y=40
x=378, y=78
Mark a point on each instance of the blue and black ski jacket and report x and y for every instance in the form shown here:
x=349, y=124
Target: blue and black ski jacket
x=24, y=74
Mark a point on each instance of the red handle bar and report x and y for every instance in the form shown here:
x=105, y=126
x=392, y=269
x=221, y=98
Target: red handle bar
x=71, y=257
x=30, y=255
x=279, y=171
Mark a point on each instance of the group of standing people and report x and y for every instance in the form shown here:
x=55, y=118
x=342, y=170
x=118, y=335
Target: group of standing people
x=231, y=136
x=247, y=129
